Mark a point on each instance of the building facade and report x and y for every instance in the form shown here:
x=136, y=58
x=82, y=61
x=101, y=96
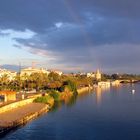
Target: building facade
x=10, y=75
x=29, y=71
x=97, y=75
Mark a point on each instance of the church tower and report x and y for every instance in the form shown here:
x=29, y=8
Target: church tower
x=98, y=75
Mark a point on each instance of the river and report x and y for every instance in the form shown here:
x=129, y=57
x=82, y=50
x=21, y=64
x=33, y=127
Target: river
x=104, y=114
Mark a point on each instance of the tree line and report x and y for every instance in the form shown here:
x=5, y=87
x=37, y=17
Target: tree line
x=42, y=81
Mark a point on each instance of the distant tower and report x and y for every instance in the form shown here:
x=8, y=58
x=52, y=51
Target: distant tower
x=98, y=75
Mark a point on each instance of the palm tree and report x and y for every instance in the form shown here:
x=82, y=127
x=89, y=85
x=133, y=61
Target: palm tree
x=4, y=81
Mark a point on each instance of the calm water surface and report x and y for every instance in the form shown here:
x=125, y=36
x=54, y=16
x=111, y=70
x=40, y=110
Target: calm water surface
x=105, y=114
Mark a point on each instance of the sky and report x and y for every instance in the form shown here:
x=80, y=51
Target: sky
x=71, y=35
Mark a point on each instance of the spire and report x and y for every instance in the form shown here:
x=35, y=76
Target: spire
x=98, y=74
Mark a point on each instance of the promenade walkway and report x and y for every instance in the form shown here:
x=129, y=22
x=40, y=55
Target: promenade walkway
x=7, y=119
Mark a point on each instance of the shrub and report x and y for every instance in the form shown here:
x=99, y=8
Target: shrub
x=44, y=99
x=71, y=86
x=55, y=94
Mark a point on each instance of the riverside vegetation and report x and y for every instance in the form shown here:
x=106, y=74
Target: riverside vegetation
x=67, y=91
x=54, y=82
x=42, y=81
x=55, y=87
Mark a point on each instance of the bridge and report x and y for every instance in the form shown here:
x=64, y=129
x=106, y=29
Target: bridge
x=128, y=81
x=117, y=82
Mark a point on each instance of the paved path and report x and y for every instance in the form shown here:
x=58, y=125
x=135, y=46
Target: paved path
x=8, y=117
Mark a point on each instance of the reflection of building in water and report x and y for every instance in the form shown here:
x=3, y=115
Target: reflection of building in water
x=99, y=91
x=98, y=94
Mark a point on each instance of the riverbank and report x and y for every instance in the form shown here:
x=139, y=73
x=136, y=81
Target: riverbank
x=84, y=89
x=104, y=114
x=19, y=116
x=19, y=113
x=16, y=104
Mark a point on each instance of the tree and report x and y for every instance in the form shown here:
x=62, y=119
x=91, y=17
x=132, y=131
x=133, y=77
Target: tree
x=4, y=80
x=54, y=76
x=54, y=85
x=38, y=80
x=69, y=86
x=115, y=76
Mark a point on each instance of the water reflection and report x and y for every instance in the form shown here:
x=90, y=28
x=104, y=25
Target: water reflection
x=57, y=105
x=84, y=94
x=69, y=102
x=117, y=118
x=99, y=91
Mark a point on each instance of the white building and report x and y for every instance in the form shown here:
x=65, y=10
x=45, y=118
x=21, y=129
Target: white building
x=104, y=84
x=91, y=74
x=9, y=74
x=115, y=83
x=29, y=71
x=97, y=75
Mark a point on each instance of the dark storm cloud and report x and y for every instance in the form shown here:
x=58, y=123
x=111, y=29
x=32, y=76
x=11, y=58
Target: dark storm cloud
x=117, y=8
x=39, y=15
x=78, y=32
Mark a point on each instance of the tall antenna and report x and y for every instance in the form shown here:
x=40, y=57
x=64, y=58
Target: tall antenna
x=19, y=73
x=19, y=68
x=33, y=64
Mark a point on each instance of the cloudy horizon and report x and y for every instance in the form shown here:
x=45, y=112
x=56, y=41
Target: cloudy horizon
x=71, y=35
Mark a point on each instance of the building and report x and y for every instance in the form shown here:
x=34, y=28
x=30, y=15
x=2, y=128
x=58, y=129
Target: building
x=91, y=74
x=8, y=95
x=29, y=71
x=10, y=75
x=115, y=83
x=97, y=75
x=104, y=84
